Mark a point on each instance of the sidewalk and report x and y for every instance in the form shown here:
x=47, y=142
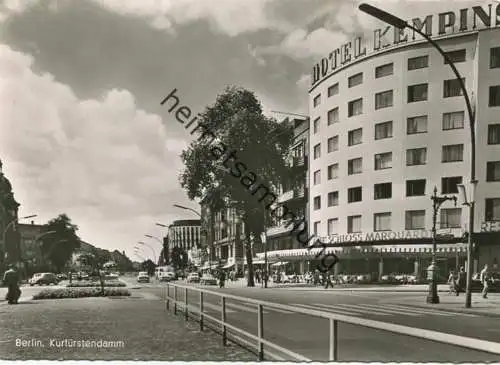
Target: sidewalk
x=450, y=302
x=122, y=329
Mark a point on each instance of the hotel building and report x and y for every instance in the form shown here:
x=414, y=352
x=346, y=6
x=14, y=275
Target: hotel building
x=186, y=235
x=390, y=124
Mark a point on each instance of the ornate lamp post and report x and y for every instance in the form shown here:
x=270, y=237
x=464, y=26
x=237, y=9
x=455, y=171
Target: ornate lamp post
x=433, y=297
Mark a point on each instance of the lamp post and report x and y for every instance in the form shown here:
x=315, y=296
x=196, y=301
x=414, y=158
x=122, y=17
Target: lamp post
x=151, y=248
x=12, y=222
x=401, y=24
x=432, y=296
x=264, y=241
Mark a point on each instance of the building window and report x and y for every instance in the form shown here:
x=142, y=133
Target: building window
x=384, y=70
x=494, y=134
x=355, y=107
x=449, y=184
x=333, y=171
x=333, y=226
x=416, y=156
x=418, y=62
x=453, y=153
x=382, y=191
x=453, y=120
x=333, y=144
x=382, y=222
x=415, y=125
x=333, y=116
x=492, y=211
x=316, y=228
x=452, y=88
x=495, y=57
x=415, y=187
x=383, y=99
x=417, y=93
x=333, y=198
x=355, y=166
x=355, y=137
x=354, y=194
x=355, y=80
x=456, y=56
x=317, y=177
x=333, y=90
x=317, y=151
x=493, y=171
x=354, y=224
x=383, y=130
x=316, y=125
x=451, y=218
x=383, y=161
x=415, y=219
x=317, y=202
x=317, y=100
x=494, y=96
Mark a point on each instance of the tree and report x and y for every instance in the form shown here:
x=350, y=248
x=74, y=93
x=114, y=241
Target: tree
x=251, y=149
x=60, y=241
x=94, y=262
x=179, y=258
x=149, y=266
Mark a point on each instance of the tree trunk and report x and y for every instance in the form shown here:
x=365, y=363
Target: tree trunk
x=249, y=256
x=101, y=281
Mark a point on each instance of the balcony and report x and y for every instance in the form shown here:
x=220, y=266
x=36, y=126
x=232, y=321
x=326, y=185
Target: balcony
x=286, y=196
x=299, y=192
x=299, y=161
x=280, y=229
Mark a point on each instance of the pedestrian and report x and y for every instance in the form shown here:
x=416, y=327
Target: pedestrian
x=11, y=279
x=452, y=283
x=222, y=278
x=461, y=281
x=327, y=280
x=484, y=280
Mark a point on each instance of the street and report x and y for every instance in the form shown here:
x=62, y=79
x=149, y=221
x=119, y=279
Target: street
x=308, y=336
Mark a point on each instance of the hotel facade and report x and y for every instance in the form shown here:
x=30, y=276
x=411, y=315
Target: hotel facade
x=388, y=125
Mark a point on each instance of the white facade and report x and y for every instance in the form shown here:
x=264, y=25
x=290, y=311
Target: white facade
x=479, y=77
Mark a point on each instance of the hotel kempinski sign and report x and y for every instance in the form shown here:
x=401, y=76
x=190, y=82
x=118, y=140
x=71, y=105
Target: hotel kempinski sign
x=449, y=22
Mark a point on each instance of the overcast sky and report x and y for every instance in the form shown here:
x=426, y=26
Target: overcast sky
x=81, y=126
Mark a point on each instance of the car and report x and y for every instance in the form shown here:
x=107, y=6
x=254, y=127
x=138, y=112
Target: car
x=62, y=276
x=143, y=277
x=193, y=277
x=44, y=278
x=208, y=279
x=166, y=276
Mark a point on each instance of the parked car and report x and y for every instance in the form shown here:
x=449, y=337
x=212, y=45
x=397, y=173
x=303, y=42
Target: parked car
x=193, y=277
x=143, y=277
x=208, y=279
x=44, y=278
x=62, y=276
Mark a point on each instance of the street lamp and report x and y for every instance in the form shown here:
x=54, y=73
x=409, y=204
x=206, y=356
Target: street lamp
x=8, y=226
x=161, y=225
x=264, y=241
x=437, y=201
x=401, y=24
x=187, y=208
x=151, y=248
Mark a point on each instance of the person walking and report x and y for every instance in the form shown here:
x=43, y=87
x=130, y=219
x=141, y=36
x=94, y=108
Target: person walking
x=222, y=278
x=484, y=280
x=327, y=280
x=452, y=283
x=11, y=279
x=461, y=281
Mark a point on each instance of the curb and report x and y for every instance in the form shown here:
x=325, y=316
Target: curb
x=457, y=311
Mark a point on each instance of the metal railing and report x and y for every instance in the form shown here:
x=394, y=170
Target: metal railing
x=334, y=319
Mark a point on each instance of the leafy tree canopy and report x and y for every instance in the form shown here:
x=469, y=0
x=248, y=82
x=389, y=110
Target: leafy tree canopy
x=244, y=154
x=59, y=240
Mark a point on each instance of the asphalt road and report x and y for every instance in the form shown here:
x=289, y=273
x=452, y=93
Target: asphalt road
x=308, y=336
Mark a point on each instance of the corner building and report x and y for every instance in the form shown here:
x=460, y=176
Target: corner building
x=388, y=127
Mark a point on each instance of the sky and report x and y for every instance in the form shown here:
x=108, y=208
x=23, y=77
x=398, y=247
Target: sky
x=82, y=131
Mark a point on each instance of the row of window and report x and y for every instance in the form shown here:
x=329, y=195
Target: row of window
x=414, y=63
x=383, y=161
x=415, y=187
x=414, y=125
x=416, y=93
x=414, y=219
